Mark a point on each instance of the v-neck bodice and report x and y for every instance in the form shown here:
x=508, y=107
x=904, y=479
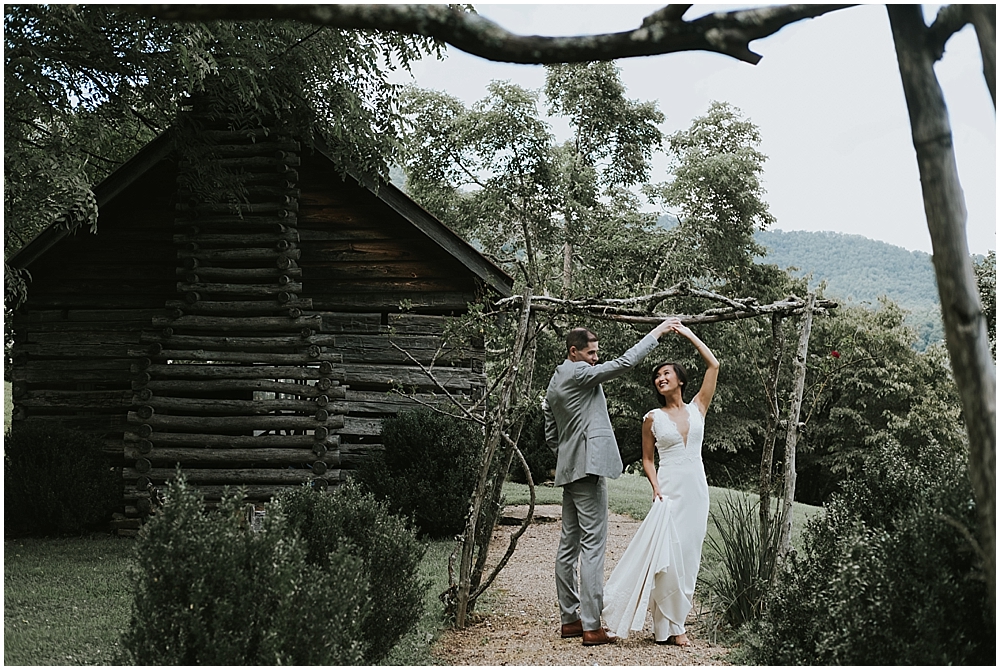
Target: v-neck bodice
x=671, y=445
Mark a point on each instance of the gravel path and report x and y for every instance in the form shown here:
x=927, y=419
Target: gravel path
x=518, y=620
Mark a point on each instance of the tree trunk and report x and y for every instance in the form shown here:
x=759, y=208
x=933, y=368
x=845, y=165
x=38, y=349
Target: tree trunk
x=567, y=272
x=792, y=433
x=984, y=19
x=493, y=439
x=964, y=321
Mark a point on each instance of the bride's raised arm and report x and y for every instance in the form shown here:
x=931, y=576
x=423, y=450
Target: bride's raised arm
x=707, y=390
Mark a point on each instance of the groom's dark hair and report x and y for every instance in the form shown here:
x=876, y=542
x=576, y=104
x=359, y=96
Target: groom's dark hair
x=579, y=338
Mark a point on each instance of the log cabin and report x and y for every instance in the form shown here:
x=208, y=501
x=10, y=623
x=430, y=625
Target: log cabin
x=250, y=342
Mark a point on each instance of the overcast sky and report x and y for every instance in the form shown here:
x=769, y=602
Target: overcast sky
x=826, y=96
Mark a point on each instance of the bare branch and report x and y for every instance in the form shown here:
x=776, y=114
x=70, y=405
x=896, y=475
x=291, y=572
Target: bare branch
x=666, y=15
x=515, y=536
x=436, y=408
x=728, y=33
x=949, y=20
x=984, y=18
x=430, y=375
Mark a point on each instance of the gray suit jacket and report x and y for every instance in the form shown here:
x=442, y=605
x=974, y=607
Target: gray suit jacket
x=577, y=425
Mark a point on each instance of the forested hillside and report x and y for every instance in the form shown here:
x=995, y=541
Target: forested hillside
x=858, y=269
x=855, y=268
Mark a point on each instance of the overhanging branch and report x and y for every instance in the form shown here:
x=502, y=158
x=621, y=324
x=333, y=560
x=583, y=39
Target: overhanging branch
x=663, y=31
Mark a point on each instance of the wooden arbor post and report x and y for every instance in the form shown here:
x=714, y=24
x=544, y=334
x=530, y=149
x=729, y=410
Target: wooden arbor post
x=917, y=49
x=792, y=433
x=774, y=419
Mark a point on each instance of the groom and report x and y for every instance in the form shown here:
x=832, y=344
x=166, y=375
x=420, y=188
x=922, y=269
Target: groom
x=578, y=428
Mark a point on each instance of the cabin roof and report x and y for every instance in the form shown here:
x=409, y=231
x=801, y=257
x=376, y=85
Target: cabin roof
x=161, y=148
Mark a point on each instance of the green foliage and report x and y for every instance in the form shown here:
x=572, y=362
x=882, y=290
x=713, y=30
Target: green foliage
x=387, y=555
x=85, y=86
x=427, y=471
x=608, y=128
x=866, y=385
x=487, y=171
x=494, y=172
x=56, y=480
x=65, y=599
x=539, y=455
x=748, y=559
x=888, y=575
x=209, y=591
x=718, y=195
x=986, y=281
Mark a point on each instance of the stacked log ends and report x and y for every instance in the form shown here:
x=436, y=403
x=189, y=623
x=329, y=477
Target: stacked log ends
x=229, y=387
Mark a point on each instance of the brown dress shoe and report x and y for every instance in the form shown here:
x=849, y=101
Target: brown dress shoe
x=599, y=636
x=574, y=629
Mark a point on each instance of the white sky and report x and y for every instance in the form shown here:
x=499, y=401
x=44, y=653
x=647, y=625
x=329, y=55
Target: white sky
x=826, y=96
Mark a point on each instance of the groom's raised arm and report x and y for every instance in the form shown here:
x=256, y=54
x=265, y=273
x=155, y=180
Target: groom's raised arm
x=596, y=374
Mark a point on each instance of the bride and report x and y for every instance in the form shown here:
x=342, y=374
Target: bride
x=660, y=566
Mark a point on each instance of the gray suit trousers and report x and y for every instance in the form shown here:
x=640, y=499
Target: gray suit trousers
x=583, y=539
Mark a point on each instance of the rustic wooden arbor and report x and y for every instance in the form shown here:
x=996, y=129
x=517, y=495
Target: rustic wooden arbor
x=249, y=343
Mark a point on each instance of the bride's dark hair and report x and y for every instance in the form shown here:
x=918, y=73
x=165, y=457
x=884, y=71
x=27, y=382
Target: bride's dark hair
x=682, y=376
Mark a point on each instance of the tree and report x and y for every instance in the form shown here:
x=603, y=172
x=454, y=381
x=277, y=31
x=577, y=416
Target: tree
x=666, y=31
x=865, y=383
x=718, y=197
x=986, y=282
x=87, y=85
x=612, y=145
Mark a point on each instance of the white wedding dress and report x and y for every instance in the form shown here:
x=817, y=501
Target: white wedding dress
x=660, y=566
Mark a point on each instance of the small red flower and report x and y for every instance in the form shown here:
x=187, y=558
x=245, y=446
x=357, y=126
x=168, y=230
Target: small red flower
x=835, y=354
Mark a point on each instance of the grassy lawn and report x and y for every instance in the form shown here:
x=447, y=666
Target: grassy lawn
x=415, y=647
x=631, y=495
x=66, y=602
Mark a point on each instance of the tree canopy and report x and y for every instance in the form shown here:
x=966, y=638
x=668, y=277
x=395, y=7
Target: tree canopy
x=86, y=86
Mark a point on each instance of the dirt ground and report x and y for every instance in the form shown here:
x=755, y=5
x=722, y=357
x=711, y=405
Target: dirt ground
x=518, y=623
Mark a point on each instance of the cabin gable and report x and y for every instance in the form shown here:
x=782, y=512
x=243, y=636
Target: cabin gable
x=256, y=344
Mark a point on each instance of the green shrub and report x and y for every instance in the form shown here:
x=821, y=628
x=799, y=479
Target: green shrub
x=427, y=470
x=540, y=457
x=388, y=551
x=886, y=576
x=744, y=577
x=209, y=591
x=56, y=480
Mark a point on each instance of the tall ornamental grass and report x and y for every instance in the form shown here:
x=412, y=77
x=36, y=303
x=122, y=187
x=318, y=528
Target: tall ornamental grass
x=739, y=583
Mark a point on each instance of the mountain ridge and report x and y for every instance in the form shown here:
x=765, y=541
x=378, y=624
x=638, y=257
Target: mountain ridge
x=856, y=268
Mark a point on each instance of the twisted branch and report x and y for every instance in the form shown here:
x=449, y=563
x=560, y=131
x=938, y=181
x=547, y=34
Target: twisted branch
x=664, y=31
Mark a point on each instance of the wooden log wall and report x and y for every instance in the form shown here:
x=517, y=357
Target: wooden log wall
x=377, y=281
x=227, y=383
x=90, y=299
x=250, y=343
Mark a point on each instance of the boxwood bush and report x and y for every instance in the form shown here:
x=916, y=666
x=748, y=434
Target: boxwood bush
x=427, y=471
x=56, y=480
x=209, y=591
x=888, y=575
x=388, y=551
